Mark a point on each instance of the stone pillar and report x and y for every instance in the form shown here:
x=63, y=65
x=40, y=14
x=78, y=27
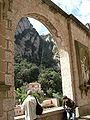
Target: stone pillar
x=6, y=63
x=66, y=53
x=66, y=74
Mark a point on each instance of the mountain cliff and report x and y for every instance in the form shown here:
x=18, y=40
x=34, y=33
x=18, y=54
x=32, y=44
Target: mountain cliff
x=36, y=59
x=34, y=48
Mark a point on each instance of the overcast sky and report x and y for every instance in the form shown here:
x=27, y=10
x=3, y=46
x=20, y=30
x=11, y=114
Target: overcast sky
x=79, y=8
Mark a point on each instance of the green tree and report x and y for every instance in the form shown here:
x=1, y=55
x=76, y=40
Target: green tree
x=50, y=81
x=25, y=72
x=20, y=94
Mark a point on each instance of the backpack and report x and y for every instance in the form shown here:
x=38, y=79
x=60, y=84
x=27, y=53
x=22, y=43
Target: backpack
x=39, y=108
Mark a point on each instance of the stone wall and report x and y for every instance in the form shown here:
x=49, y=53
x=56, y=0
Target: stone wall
x=56, y=22
x=80, y=34
x=53, y=114
x=6, y=63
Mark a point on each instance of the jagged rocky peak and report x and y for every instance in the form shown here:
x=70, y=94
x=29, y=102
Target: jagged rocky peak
x=47, y=37
x=27, y=40
x=31, y=46
x=23, y=24
x=24, y=29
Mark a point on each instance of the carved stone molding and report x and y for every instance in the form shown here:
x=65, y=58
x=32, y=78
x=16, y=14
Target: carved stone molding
x=10, y=5
x=7, y=6
x=83, y=62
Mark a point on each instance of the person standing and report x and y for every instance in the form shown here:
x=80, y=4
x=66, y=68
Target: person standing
x=69, y=106
x=29, y=106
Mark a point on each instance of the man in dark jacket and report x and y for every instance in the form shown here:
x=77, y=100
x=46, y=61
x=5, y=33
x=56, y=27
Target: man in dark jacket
x=69, y=106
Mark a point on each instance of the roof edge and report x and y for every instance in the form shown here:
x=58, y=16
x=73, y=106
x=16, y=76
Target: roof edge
x=55, y=7
x=79, y=23
x=71, y=16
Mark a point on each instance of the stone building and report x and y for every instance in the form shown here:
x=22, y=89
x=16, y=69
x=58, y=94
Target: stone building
x=73, y=42
x=18, y=111
x=34, y=86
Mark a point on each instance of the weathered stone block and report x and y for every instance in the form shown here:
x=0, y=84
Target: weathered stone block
x=11, y=93
x=11, y=115
x=10, y=46
x=1, y=106
x=2, y=28
x=2, y=41
x=8, y=104
x=6, y=68
x=2, y=66
x=2, y=53
x=4, y=116
x=9, y=24
x=9, y=35
x=8, y=56
x=3, y=94
x=2, y=77
x=10, y=68
x=8, y=79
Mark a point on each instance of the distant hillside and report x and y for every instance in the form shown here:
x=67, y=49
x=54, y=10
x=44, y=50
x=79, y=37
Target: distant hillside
x=34, y=48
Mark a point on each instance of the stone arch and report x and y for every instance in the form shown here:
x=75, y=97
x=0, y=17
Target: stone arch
x=55, y=22
x=58, y=28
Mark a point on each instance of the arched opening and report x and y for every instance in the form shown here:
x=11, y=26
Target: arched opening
x=36, y=64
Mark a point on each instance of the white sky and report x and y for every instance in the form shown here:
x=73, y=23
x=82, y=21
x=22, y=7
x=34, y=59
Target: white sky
x=41, y=29
x=79, y=8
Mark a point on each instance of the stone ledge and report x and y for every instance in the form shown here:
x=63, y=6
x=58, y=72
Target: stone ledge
x=47, y=114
